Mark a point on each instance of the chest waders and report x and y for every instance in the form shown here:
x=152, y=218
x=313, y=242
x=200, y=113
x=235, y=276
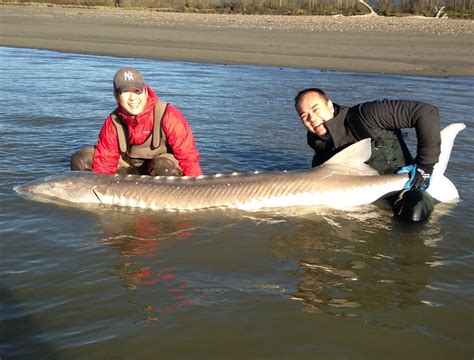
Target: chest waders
x=389, y=154
x=154, y=145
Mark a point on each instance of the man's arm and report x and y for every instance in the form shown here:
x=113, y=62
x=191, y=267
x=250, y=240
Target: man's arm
x=399, y=114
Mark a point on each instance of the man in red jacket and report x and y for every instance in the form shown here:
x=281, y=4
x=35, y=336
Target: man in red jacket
x=143, y=135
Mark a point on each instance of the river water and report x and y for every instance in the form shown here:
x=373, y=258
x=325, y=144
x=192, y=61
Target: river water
x=122, y=284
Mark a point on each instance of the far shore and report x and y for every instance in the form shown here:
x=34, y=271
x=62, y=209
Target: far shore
x=409, y=45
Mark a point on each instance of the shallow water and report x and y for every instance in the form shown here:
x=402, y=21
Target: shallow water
x=124, y=284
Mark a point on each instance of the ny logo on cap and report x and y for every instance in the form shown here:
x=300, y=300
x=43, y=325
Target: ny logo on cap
x=128, y=76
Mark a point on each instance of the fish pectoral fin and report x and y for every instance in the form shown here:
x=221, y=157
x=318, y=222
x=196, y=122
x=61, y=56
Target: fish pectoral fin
x=357, y=153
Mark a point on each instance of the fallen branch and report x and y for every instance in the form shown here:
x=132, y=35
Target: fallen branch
x=441, y=12
x=372, y=12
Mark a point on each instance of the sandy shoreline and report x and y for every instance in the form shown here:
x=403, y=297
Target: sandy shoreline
x=412, y=46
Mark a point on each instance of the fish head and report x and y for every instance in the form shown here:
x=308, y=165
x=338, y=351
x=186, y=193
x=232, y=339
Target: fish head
x=73, y=187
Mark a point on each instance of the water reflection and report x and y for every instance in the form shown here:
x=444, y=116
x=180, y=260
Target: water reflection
x=141, y=234
x=137, y=239
x=344, y=270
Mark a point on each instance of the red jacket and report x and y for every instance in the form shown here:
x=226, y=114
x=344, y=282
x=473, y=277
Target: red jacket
x=178, y=135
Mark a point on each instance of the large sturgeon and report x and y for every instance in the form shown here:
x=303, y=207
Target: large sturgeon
x=343, y=181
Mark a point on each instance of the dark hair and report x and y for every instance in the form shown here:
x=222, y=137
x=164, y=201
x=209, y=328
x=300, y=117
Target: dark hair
x=305, y=91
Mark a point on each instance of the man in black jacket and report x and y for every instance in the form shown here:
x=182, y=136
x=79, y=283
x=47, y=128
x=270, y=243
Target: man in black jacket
x=332, y=127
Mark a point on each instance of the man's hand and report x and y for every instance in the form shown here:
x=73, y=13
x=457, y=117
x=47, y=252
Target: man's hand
x=420, y=176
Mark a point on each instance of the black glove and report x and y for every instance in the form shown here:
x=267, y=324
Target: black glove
x=420, y=176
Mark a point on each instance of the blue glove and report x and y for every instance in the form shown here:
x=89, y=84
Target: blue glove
x=420, y=176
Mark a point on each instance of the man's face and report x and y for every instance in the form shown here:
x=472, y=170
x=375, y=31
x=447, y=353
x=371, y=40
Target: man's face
x=314, y=110
x=133, y=101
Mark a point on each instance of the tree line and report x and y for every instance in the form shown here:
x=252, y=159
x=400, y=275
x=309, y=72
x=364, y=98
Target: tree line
x=454, y=8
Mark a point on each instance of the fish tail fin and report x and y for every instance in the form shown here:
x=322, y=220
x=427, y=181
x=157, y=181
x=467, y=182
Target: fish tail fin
x=441, y=188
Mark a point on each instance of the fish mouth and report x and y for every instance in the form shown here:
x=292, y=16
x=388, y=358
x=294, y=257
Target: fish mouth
x=18, y=189
x=22, y=189
x=29, y=188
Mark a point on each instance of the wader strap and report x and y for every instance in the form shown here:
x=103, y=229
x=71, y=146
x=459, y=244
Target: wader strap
x=406, y=152
x=122, y=132
x=158, y=132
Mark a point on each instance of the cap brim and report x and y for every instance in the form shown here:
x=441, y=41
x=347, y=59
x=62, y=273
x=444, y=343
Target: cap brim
x=129, y=87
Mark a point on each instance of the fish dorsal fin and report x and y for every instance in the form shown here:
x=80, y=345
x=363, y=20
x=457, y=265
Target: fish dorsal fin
x=352, y=159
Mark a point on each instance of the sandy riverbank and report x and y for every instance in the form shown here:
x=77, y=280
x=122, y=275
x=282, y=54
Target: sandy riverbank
x=414, y=46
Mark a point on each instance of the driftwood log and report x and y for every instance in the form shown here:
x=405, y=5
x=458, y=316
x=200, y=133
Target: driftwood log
x=372, y=12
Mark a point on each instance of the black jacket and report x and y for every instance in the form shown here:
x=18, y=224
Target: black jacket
x=383, y=119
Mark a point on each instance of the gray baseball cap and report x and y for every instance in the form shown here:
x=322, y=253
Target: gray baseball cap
x=128, y=78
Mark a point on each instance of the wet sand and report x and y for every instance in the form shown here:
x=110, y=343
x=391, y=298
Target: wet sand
x=411, y=45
